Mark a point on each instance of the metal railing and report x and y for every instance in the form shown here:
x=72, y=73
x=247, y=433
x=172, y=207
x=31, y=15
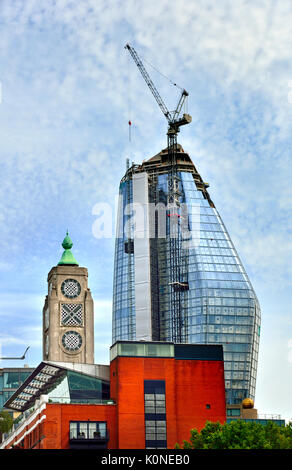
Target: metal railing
x=272, y=416
x=18, y=423
x=96, y=435
x=81, y=401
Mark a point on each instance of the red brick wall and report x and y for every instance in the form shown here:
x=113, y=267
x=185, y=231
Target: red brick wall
x=57, y=424
x=127, y=389
x=28, y=436
x=198, y=383
x=190, y=386
x=55, y=428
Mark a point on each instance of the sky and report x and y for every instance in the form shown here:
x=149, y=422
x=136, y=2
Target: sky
x=69, y=88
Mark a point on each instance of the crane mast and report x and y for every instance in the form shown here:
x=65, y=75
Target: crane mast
x=175, y=121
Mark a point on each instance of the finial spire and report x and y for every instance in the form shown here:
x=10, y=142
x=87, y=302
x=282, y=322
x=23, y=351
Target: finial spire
x=67, y=256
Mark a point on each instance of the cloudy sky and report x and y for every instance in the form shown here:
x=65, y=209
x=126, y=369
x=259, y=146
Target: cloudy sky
x=68, y=91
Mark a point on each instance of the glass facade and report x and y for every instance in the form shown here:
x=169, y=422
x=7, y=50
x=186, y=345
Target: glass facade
x=79, y=388
x=10, y=381
x=142, y=350
x=233, y=412
x=61, y=386
x=218, y=304
x=123, y=321
x=14, y=378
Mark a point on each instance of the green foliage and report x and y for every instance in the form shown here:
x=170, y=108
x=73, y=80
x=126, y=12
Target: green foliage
x=239, y=434
x=6, y=421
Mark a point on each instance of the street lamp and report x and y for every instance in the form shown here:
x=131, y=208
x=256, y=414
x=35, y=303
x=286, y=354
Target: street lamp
x=12, y=358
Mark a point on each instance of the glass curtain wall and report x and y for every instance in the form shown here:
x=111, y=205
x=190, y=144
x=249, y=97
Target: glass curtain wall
x=79, y=388
x=123, y=322
x=222, y=305
x=218, y=307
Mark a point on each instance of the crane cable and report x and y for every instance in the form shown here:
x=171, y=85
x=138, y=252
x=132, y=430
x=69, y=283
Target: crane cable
x=129, y=89
x=158, y=71
x=129, y=100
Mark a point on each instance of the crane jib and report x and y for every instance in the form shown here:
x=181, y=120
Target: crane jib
x=173, y=118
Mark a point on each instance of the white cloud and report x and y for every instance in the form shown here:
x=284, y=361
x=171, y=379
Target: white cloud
x=31, y=336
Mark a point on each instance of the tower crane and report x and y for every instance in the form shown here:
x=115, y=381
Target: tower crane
x=173, y=118
x=175, y=121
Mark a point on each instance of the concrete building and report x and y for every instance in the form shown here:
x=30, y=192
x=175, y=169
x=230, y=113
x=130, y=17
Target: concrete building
x=68, y=329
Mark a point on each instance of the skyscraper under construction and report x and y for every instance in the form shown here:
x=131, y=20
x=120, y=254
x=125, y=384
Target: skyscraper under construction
x=177, y=275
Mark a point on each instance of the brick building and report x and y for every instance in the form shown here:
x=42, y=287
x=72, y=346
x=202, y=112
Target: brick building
x=150, y=396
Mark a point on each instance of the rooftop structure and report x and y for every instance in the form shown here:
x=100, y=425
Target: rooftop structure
x=63, y=383
x=245, y=411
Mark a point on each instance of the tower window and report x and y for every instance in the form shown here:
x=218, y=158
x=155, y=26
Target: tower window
x=72, y=314
x=70, y=288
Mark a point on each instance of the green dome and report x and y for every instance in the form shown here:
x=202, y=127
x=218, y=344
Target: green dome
x=67, y=256
x=67, y=242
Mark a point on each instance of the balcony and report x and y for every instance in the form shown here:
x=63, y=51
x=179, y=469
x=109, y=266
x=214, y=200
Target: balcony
x=97, y=441
x=88, y=435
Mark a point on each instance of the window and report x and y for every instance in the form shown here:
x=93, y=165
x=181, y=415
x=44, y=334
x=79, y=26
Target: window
x=23, y=376
x=73, y=430
x=88, y=430
x=11, y=379
x=140, y=350
x=85, y=389
x=83, y=430
x=155, y=430
x=6, y=396
x=154, y=403
x=233, y=412
x=155, y=414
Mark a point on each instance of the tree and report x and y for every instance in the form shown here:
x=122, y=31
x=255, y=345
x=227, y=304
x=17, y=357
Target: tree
x=240, y=434
x=6, y=422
